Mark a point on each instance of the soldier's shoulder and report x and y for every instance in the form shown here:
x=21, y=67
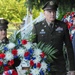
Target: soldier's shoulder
x=38, y=23
x=60, y=22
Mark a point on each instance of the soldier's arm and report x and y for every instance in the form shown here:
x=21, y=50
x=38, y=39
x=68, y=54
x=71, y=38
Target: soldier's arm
x=70, y=52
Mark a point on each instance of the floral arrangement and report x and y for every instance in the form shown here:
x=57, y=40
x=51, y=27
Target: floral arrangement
x=68, y=19
x=35, y=58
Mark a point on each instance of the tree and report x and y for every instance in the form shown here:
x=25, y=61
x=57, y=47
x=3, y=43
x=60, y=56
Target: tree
x=64, y=5
x=13, y=10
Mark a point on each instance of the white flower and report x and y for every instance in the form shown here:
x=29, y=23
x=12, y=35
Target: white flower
x=38, y=59
x=25, y=63
x=10, y=45
x=8, y=56
x=28, y=45
x=73, y=31
x=44, y=66
x=68, y=18
x=35, y=71
x=37, y=52
x=21, y=52
x=5, y=62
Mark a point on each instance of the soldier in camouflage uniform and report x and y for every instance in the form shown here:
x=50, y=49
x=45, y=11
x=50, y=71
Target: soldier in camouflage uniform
x=54, y=32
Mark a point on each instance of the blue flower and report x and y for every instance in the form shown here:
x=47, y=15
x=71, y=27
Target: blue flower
x=28, y=57
x=5, y=49
x=48, y=67
x=42, y=73
x=18, y=41
x=15, y=56
x=31, y=51
x=34, y=66
x=33, y=58
x=5, y=64
x=9, y=72
x=44, y=59
x=70, y=16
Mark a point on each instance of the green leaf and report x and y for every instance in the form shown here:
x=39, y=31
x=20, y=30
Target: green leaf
x=48, y=50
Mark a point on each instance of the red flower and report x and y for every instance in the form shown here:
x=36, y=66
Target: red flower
x=72, y=14
x=30, y=74
x=26, y=54
x=31, y=63
x=1, y=63
x=14, y=72
x=6, y=68
x=38, y=65
x=42, y=54
x=69, y=25
x=11, y=62
x=2, y=55
x=5, y=73
x=65, y=16
x=24, y=42
x=71, y=37
x=14, y=52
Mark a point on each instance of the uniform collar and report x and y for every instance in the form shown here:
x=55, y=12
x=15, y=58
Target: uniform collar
x=49, y=22
x=5, y=40
x=1, y=41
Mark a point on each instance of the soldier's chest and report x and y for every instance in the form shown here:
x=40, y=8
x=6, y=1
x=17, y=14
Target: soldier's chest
x=45, y=32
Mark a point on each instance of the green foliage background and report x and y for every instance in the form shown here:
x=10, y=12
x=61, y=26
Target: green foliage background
x=15, y=10
x=12, y=10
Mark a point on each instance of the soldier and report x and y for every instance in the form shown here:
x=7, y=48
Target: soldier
x=4, y=40
x=3, y=31
x=54, y=32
